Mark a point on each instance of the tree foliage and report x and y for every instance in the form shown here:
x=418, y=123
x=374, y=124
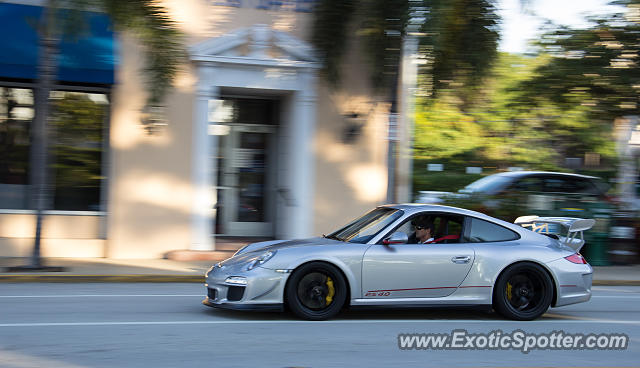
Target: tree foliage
x=443, y=131
x=146, y=19
x=595, y=68
x=383, y=26
x=380, y=24
x=460, y=42
x=331, y=25
x=158, y=36
x=506, y=129
x=458, y=37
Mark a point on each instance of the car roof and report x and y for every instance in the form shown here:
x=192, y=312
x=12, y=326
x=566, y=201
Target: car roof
x=419, y=207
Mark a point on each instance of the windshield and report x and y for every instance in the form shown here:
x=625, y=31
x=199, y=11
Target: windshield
x=487, y=185
x=366, y=227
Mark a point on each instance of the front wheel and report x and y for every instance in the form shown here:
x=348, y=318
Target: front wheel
x=316, y=291
x=523, y=292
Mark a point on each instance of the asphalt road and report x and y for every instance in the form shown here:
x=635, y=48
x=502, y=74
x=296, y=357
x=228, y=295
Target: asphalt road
x=164, y=325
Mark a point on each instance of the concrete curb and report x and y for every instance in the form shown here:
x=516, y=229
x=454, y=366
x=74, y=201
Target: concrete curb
x=101, y=278
x=182, y=278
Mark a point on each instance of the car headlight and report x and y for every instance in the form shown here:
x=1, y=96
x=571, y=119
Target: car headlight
x=261, y=260
x=236, y=280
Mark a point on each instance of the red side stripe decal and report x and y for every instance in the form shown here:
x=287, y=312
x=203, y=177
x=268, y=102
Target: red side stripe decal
x=431, y=288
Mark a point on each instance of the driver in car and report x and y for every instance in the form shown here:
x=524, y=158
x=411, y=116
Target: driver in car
x=424, y=231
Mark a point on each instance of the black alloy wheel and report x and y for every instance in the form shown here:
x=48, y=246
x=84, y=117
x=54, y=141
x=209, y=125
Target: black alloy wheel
x=523, y=292
x=316, y=291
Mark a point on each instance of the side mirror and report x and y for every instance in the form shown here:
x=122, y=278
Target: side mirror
x=396, y=238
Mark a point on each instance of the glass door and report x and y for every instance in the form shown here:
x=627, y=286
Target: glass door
x=245, y=181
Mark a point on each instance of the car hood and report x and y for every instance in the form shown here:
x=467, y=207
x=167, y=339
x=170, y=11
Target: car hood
x=254, y=250
x=279, y=244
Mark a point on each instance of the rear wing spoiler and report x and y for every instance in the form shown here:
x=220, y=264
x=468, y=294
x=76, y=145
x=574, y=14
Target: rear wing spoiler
x=572, y=235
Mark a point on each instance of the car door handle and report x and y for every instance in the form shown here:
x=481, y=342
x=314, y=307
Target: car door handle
x=461, y=259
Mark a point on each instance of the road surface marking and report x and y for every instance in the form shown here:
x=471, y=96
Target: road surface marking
x=616, y=296
x=203, y=294
x=269, y=322
x=102, y=296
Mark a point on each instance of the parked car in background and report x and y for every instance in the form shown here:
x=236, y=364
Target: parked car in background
x=526, y=181
x=544, y=192
x=538, y=181
x=506, y=195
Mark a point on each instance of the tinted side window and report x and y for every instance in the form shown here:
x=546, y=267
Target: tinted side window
x=484, y=231
x=530, y=184
x=570, y=185
x=558, y=185
x=586, y=187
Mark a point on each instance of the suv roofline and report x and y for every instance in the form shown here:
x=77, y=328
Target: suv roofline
x=527, y=173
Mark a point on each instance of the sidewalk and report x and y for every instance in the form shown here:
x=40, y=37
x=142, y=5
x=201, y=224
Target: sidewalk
x=111, y=270
x=191, y=268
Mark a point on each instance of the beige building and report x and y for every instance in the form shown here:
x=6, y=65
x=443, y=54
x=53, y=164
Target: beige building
x=252, y=143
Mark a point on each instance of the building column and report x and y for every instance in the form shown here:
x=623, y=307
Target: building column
x=301, y=164
x=203, y=171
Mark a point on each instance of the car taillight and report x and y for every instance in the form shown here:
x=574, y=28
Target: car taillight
x=576, y=258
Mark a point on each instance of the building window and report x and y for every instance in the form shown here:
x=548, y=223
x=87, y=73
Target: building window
x=16, y=116
x=77, y=125
x=76, y=145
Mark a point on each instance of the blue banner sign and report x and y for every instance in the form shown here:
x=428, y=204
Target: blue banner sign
x=304, y=6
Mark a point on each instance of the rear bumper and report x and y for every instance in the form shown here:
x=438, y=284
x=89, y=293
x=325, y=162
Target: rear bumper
x=573, y=282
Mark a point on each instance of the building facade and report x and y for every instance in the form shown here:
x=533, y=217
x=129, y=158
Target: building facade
x=252, y=141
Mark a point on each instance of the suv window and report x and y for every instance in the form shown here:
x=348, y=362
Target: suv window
x=570, y=185
x=527, y=184
x=584, y=186
x=558, y=185
x=484, y=231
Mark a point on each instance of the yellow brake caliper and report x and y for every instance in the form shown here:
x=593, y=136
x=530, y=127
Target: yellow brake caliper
x=509, y=291
x=331, y=293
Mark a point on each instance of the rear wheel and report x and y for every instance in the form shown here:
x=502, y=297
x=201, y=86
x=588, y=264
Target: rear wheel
x=523, y=292
x=316, y=291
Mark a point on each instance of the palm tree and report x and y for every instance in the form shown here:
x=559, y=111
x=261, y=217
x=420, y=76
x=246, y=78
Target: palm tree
x=161, y=42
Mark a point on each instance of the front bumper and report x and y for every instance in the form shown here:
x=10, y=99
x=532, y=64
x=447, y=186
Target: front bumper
x=264, y=288
x=244, y=307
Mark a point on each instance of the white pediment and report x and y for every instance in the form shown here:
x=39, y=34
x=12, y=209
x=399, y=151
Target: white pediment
x=257, y=44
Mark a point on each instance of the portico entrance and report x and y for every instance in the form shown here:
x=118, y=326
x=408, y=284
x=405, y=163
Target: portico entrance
x=253, y=177
x=246, y=168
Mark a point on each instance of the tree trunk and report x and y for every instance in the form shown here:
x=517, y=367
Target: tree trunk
x=40, y=145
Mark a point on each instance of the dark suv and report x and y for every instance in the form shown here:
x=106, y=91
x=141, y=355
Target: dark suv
x=540, y=182
x=540, y=193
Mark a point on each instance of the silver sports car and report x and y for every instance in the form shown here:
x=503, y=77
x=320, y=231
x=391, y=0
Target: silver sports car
x=412, y=255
